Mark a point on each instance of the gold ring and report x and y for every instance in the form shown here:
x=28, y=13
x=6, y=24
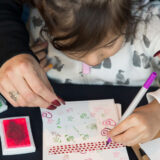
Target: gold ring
x=14, y=95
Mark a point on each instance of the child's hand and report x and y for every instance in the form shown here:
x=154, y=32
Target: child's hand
x=141, y=126
x=40, y=50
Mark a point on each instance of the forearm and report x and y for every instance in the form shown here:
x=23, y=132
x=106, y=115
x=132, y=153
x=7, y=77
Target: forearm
x=14, y=38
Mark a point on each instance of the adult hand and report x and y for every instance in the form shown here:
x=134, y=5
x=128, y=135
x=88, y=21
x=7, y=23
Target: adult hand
x=24, y=83
x=141, y=126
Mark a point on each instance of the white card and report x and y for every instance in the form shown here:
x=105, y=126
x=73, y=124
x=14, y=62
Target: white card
x=79, y=129
x=152, y=149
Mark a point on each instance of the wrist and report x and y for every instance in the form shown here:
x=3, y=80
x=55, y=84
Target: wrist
x=155, y=107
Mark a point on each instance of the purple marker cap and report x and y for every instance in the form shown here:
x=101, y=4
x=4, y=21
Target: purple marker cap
x=150, y=80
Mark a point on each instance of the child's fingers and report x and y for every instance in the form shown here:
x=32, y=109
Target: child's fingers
x=41, y=55
x=43, y=63
x=30, y=98
x=40, y=85
x=129, y=138
x=11, y=93
x=39, y=47
x=48, y=67
x=122, y=127
x=136, y=140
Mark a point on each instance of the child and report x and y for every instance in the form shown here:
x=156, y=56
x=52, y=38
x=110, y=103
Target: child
x=114, y=37
x=102, y=46
x=113, y=42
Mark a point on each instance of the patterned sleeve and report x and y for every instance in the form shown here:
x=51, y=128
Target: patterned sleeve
x=151, y=41
x=151, y=35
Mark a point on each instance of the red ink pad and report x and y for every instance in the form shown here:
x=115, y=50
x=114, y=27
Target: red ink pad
x=16, y=136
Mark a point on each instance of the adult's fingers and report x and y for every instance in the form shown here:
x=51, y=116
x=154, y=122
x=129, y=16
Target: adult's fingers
x=31, y=99
x=136, y=140
x=129, y=137
x=122, y=127
x=39, y=83
x=11, y=93
x=47, y=83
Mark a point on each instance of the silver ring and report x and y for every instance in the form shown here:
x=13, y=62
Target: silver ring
x=14, y=95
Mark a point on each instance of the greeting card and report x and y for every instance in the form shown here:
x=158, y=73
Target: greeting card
x=79, y=130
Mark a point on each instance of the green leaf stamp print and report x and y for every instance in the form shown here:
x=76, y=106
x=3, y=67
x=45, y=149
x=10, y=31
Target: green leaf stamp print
x=70, y=118
x=58, y=123
x=84, y=116
x=0, y=104
x=56, y=137
x=84, y=136
x=76, y=130
x=92, y=126
x=69, y=138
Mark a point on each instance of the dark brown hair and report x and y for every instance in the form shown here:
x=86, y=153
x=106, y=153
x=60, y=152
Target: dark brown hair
x=80, y=25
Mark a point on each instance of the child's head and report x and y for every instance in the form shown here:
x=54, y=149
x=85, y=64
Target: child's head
x=87, y=30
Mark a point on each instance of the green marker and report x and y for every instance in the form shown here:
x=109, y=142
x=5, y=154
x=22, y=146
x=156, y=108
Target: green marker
x=0, y=104
x=3, y=105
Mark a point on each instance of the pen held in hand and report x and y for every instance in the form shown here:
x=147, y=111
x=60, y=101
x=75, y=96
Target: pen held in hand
x=137, y=99
x=143, y=154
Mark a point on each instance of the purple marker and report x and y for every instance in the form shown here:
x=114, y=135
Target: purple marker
x=137, y=98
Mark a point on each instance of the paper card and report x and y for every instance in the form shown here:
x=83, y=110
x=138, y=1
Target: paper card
x=106, y=115
x=152, y=149
x=79, y=128
x=119, y=111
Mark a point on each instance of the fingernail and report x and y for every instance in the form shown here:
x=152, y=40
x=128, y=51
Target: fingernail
x=56, y=103
x=63, y=102
x=51, y=107
x=156, y=54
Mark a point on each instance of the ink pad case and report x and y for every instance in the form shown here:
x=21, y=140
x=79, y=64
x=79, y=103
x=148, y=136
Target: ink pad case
x=16, y=136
